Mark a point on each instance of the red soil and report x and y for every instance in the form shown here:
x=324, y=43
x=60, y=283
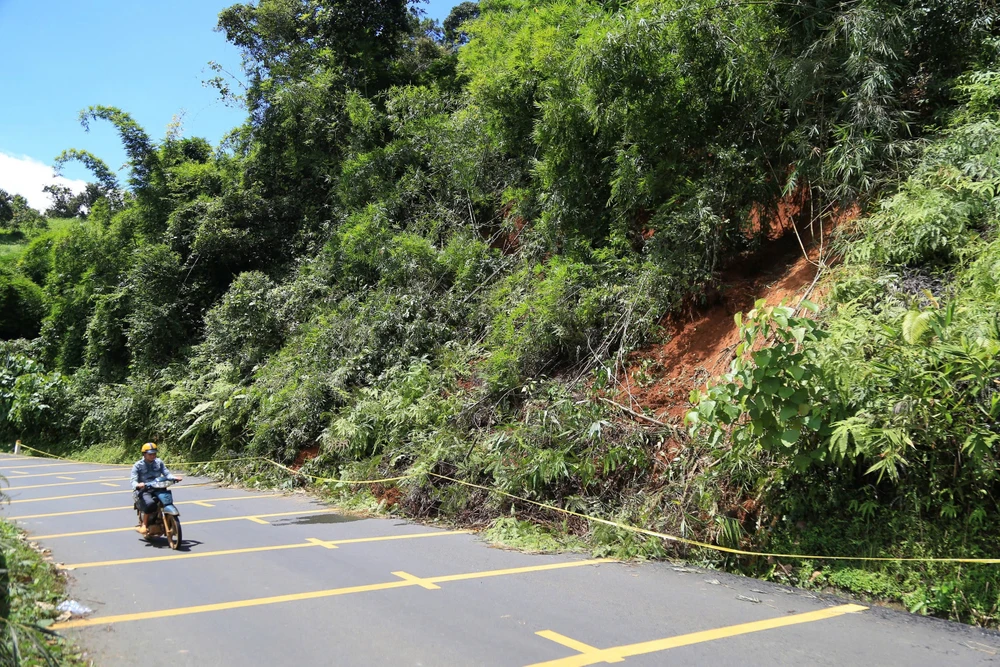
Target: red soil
x=305, y=455
x=700, y=341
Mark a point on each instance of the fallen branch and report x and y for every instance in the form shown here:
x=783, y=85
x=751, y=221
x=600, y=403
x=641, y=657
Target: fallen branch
x=638, y=414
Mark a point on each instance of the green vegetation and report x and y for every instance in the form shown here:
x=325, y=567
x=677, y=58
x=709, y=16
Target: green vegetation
x=428, y=250
x=883, y=413
x=30, y=589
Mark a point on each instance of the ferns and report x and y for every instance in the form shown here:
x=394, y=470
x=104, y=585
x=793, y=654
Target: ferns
x=915, y=325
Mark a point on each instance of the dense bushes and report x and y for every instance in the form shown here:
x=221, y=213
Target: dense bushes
x=888, y=405
x=23, y=305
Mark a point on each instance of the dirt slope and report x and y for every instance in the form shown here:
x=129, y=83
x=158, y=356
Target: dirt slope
x=699, y=343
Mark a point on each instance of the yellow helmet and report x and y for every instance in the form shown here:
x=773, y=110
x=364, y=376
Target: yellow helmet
x=149, y=447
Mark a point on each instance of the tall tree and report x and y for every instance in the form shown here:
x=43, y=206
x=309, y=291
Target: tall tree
x=459, y=15
x=6, y=208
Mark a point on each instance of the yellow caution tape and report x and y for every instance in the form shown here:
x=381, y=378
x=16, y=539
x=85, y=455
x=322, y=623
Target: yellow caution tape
x=553, y=508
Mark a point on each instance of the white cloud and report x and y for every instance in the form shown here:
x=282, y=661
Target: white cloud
x=26, y=176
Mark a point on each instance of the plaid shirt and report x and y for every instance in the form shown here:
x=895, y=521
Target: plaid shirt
x=143, y=472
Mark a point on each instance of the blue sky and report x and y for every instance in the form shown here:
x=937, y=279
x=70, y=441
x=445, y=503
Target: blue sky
x=147, y=57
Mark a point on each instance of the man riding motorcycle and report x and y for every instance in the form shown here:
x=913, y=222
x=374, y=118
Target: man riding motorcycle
x=145, y=470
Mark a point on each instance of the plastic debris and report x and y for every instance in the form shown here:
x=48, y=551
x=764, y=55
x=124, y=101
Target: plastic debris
x=74, y=608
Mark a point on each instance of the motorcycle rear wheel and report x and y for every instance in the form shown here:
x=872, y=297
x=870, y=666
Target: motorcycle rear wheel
x=172, y=527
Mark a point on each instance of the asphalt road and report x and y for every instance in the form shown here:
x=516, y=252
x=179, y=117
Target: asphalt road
x=271, y=579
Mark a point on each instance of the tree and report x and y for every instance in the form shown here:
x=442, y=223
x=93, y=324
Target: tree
x=285, y=40
x=64, y=204
x=22, y=307
x=459, y=15
x=26, y=220
x=6, y=209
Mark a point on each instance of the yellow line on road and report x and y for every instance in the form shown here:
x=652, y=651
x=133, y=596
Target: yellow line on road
x=619, y=653
x=18, y=472
x=69, y=478
x=121, y=491
x=41, y=465
x=57, y=474
x=423, y=583
x=129, y=507
x=45, y=486
x=312, y=542
x=295, y=597
x=580, y=647
x=256, y=518
x=322, y=543
x=109, y=484
x=75, y=495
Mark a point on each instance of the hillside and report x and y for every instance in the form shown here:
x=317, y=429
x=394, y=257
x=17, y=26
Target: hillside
x=434, y=251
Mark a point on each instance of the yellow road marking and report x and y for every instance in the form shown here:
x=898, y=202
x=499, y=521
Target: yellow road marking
x=619, y=653
x=129, y=507
x=75, y=495
x=310, y=542
x=322, y=543
x=256, y=518
x=202, y=503
x=295, y=597
x=580, y=647
x=45, y=486
x=41, y=465
x=119, y=492
x=69, y=478
x=109, y=484
x=19, y=472
x=423, y=583
x=56, y=474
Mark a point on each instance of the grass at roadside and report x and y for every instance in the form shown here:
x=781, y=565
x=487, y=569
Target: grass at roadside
x=29, y=590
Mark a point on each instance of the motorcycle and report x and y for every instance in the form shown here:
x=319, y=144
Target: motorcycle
x=165, y=518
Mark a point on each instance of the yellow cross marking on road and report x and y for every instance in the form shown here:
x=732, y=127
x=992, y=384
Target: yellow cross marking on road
x=423, y=583
x=591, y=656
x=256, y=519
x=580, y=647
x=114, y=486
x=67, y=478
x=322, y=543
x=201, y=503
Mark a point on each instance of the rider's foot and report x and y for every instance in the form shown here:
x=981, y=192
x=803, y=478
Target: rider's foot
x=142, y=530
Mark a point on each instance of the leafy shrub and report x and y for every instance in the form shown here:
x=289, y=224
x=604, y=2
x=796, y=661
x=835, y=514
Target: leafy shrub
x=22, y=307
x=245, y=327
x=38, y=259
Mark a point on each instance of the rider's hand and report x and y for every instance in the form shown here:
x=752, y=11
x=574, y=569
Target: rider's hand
x=140, y=485
x=179, y=479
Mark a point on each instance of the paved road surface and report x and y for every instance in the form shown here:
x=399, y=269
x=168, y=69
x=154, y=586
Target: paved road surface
x=270, y=579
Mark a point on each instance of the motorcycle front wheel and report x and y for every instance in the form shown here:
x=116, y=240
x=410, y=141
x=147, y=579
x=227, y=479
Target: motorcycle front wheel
x=172, y=527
